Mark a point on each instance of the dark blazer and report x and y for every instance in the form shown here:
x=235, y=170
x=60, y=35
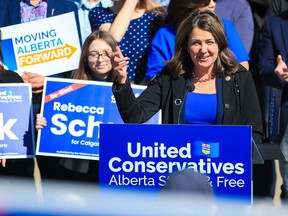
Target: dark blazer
x=55, y=7
x=10, y=77
x=4, y=19
x=237, y=101
x=275, y=42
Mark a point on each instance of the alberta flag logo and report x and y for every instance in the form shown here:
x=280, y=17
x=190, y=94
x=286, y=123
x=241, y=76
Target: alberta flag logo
x=208, y=149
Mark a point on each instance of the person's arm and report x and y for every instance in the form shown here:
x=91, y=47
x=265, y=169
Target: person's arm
x=251, y=111
x=267, y=56
x=235, y=44
x=244, y=25
x=245, y=64
x=161, y=49
x=119, y=64
x=36, y=80
x=132, y=109
x=122, y=21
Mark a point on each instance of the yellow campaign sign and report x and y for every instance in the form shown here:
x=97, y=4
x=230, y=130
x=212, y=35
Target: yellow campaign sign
x=46, y=56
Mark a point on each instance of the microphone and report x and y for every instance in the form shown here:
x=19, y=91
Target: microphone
x=189, y=88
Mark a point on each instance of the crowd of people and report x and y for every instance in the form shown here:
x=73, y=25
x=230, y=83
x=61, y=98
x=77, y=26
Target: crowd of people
x=233, y=53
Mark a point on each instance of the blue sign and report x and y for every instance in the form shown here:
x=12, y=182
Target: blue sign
x=74, y=110
x=138, y=156
x=16, y=125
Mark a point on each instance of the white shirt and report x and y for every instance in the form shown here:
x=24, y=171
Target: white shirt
x=84, y=6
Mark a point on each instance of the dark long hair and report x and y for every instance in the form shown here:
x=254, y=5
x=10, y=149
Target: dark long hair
x=178, y=10
x=181, y=63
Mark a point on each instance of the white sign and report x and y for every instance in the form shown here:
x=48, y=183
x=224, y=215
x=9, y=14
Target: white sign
x=48, y=46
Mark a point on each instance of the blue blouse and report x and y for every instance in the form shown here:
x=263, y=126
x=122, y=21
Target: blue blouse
x=136, y=40
x=201, y=108
x=163, y=47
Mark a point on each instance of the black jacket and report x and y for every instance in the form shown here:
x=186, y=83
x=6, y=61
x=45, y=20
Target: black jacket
x=236, y=95
x=10, y=77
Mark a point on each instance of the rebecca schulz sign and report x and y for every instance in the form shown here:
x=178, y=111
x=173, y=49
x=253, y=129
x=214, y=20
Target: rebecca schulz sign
x=74, y=110
x=16, y=121
x=42, y=46
x=139, y=156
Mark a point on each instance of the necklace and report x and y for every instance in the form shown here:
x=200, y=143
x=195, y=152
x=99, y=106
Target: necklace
x=209, y=77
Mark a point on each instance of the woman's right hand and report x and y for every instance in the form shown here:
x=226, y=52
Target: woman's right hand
x=40, y=122
x=119, y=64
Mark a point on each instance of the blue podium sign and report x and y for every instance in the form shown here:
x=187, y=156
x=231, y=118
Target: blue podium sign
x=74, y=110
x=138, y=156
x=16, y=125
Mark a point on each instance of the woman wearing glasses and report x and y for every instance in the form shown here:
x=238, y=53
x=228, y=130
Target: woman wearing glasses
x=94, y=64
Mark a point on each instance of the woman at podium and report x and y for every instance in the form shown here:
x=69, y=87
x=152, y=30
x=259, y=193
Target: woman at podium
x=201, y=84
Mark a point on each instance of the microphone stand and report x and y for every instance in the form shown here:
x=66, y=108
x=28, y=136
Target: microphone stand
x=189, y=88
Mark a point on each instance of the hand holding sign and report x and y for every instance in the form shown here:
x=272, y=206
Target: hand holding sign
x=36, y=80
x=40, y=122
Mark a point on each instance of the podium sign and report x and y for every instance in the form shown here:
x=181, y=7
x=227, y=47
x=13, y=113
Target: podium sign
x=16, y=122
x=138, y=156
x=74, y=109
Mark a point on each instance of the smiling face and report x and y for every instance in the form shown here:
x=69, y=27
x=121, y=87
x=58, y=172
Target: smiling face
x=98, y=61
x=203, y=50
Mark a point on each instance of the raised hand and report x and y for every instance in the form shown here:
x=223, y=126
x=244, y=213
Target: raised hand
x=119, y=64
x=281, y=68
